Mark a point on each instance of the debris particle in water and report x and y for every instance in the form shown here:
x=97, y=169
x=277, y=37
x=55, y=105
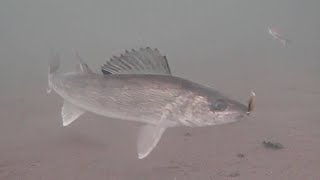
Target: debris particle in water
x=234, y=174
x=240, y=155
x=272, y=145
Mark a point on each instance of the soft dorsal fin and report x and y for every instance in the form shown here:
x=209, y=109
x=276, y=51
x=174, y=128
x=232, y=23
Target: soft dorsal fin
x=142, y=61
x=82, y=66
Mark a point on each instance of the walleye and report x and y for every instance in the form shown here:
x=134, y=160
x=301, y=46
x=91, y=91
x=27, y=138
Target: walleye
x=276, y=35
x=138, y=86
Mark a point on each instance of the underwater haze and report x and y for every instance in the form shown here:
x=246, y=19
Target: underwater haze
x=224, y=44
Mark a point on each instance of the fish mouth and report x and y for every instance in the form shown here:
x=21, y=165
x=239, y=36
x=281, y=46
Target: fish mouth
x=242, y=116
x=233, y=115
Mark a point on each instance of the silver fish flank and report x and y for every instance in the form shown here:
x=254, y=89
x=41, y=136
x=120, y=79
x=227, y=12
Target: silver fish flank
x=138, y=86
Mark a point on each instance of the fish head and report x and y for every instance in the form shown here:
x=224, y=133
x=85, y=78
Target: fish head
x=215, y=110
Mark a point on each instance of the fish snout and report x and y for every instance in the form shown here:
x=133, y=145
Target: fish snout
x=242, y=110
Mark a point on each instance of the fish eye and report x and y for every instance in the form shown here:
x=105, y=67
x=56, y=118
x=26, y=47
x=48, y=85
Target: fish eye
x=219, y=106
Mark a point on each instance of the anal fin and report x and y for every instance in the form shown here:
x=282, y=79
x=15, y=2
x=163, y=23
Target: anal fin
x=70, y=113
x=148, y=139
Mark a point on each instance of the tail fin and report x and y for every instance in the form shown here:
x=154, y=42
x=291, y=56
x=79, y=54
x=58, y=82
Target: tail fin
x=82, y=66
x=54, y=64
x=285, y=42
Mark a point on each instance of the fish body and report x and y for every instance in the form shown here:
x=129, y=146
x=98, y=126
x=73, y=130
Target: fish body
x=139, y=86
x=276, y=35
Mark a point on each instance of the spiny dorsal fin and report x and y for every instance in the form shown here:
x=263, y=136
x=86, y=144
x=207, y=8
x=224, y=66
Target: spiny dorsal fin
x=142, y=61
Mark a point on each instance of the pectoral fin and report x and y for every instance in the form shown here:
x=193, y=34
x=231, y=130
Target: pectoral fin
x=148, y=138
x=70, y=113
